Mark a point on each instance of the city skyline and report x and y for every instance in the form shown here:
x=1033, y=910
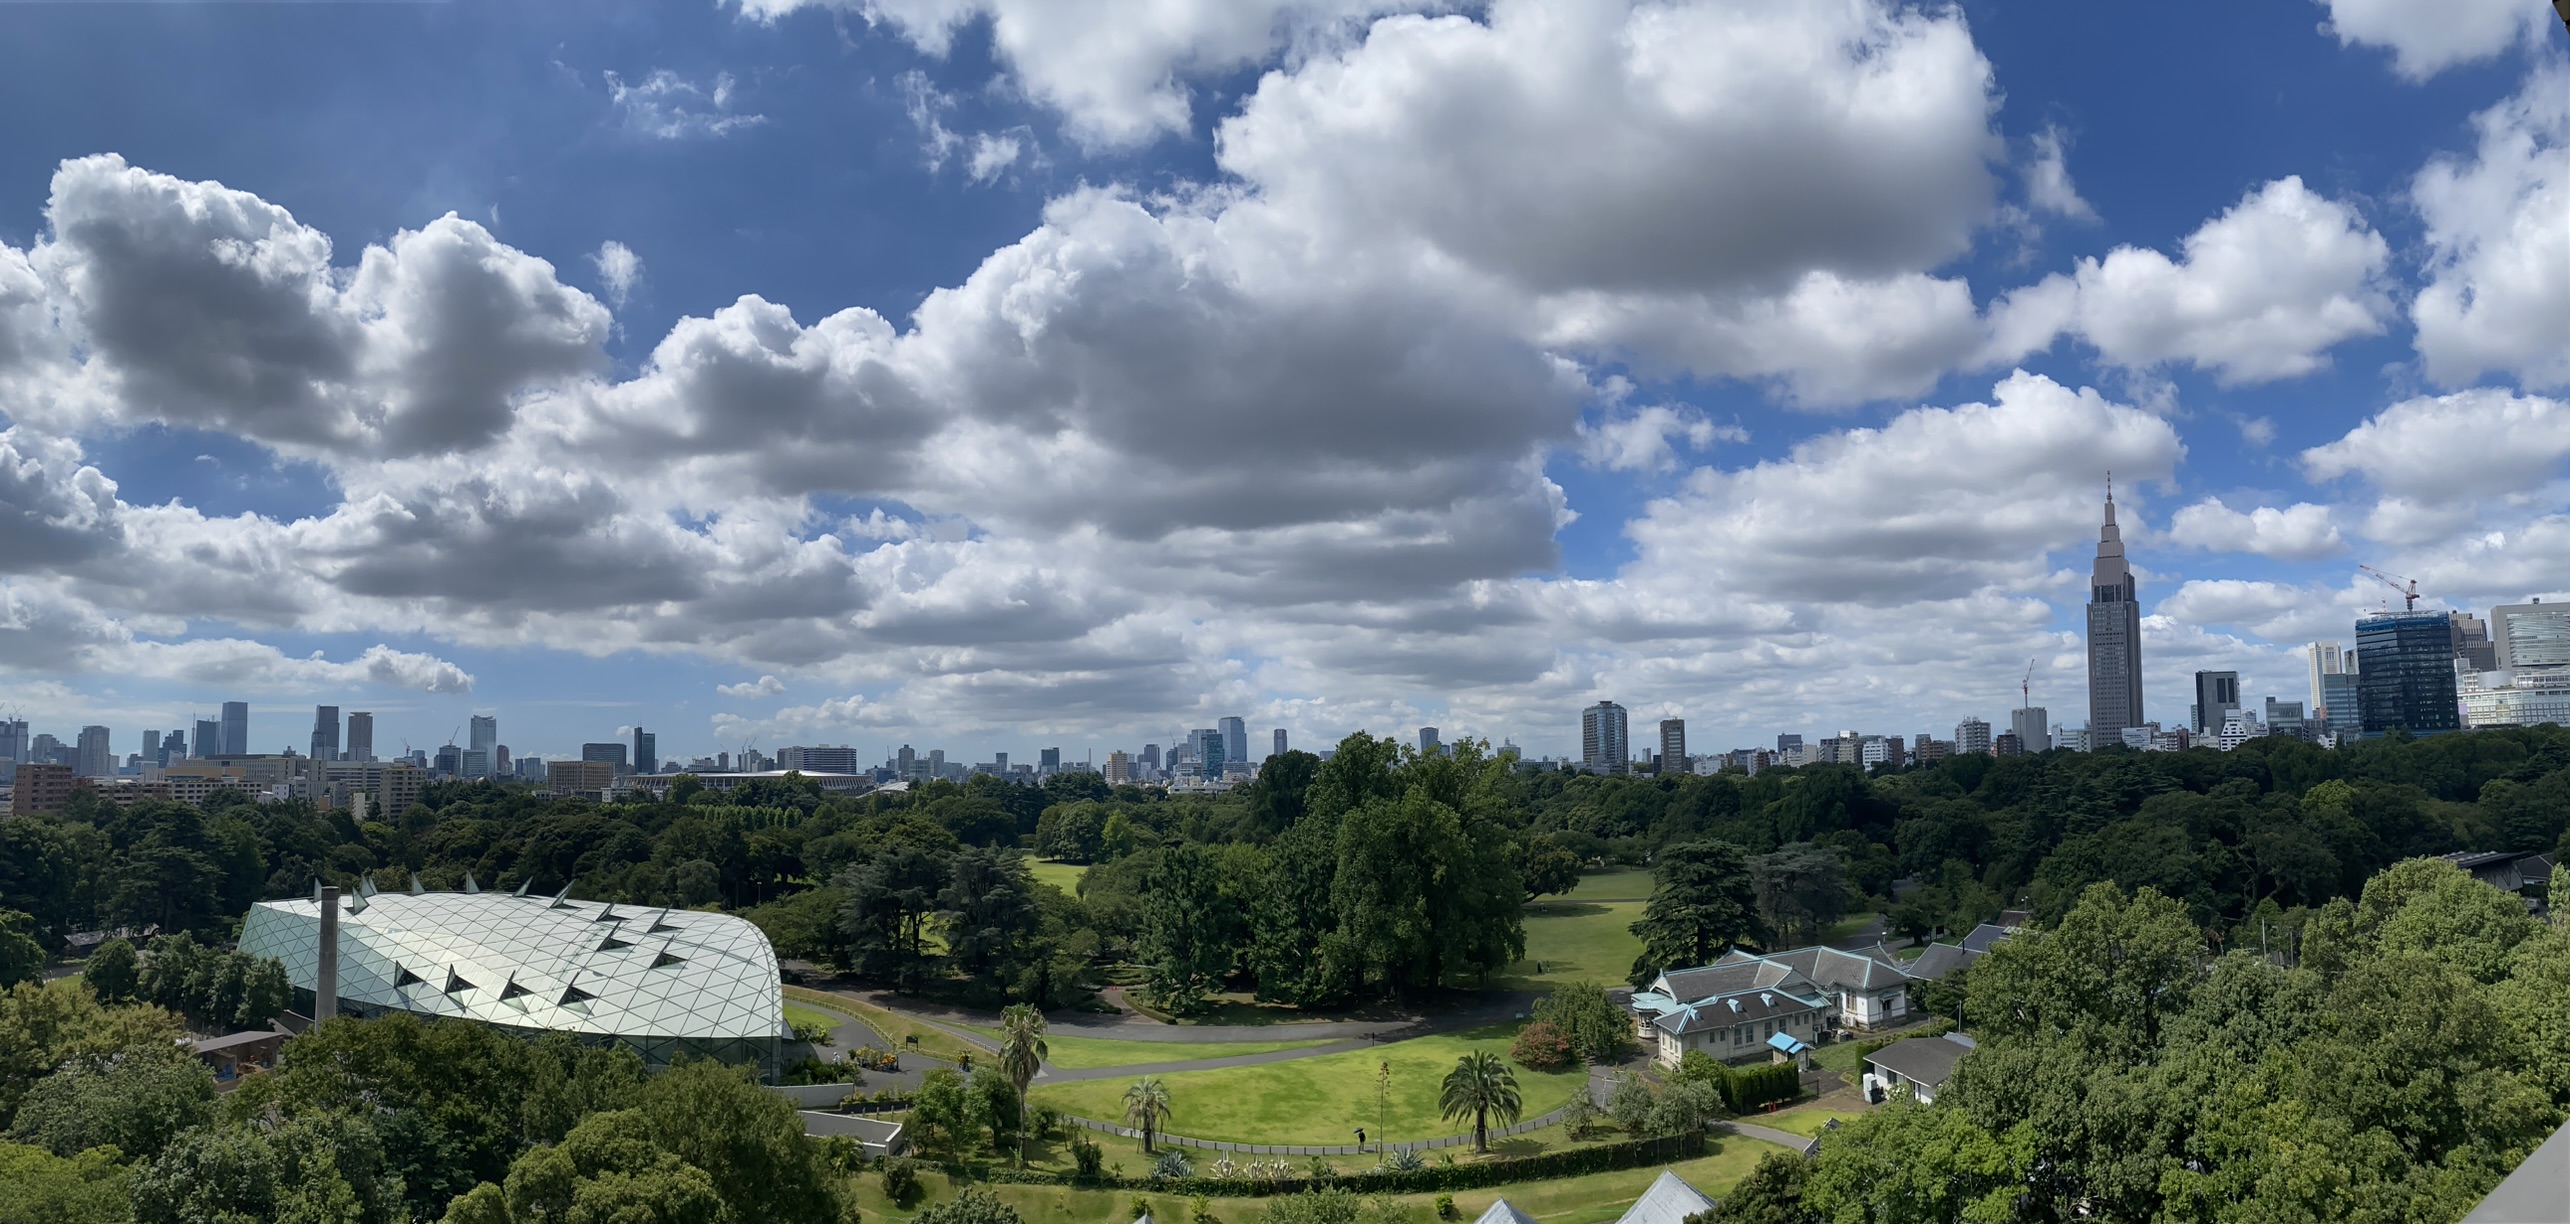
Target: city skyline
x=762, y=470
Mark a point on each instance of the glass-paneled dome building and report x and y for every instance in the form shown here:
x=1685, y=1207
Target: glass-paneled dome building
x=669, y=983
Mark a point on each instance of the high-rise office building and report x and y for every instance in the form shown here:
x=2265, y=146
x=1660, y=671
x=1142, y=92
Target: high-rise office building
x=236, y=727
x=612, y=754
x=1673, y=745
x=2333, y=689
x=2472, y=642
x=2216, y=693
x=94, y=758
x=449, y=761
x=904, y=763
x=209, y=737
x=2033, y=729
x=13, y=747
x=483, y=732
x=1205, y=744
x=2533, y=634
x=361, y=736
x=1048, y=761
x=1119, y=766
x=325, y=733
x=2408, y=676
x=1235, y=738
x=501, y=765
x=1429, y=744
x=2114, y=638
x=1787, y=743
x=173, y=748
x=151, y=747
x=1971, y=736
x=647, y=754
x=1604, y=747
x=473, y=763
x=936, y=762
x=1279, y=748
x=1150, y=759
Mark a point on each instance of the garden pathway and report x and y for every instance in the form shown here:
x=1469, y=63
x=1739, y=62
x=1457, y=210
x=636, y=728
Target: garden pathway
x=1751, y=1130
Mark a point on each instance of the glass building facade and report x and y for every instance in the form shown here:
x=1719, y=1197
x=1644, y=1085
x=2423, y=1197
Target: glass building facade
x=668, y=983
x=2406, y=681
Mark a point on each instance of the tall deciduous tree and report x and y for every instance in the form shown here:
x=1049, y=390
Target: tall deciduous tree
x=1702, y=902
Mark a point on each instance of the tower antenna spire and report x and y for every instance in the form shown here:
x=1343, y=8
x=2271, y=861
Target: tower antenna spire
x=2110, y=486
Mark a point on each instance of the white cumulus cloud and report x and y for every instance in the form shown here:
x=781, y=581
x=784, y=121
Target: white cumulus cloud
x=2298, y=532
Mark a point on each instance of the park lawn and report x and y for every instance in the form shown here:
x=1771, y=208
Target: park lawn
x=796, y=1013
x=1323, y=1099
x=1064, y=876
x=1577, y=941
x=1805, y=1122
x=1630, y=885
x=1081, y=1053
x=1588, y=1199
x=894, y=1026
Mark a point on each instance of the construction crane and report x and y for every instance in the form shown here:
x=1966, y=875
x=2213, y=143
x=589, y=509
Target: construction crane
x=2026, y=688
x=2408, y=587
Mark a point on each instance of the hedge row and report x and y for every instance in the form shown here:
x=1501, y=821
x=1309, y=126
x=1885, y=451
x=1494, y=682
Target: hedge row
x=1747, y=1088
x=1577, y=1162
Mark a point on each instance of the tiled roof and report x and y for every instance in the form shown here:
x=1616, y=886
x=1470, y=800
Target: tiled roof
x=1985, y=937
x=1928, y=1060
x=1739, y=1007
x=1940, y=960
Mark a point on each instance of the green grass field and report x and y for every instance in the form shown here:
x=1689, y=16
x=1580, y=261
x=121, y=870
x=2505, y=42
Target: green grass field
x=1804, y=1121
x=1081, y=1053
x=1630, y=885
x=1319, y=1100
x=1064, y=876
x=796, y=1013
x=1575, y=941
x=1589, y=1199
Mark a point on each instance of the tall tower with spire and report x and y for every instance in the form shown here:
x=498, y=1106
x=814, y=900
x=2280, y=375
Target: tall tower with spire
x=2114, y=637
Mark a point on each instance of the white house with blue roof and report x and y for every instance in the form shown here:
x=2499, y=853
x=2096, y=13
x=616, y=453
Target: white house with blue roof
x=1749, y=1007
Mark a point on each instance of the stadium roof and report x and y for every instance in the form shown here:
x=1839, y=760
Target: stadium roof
x=537, y=962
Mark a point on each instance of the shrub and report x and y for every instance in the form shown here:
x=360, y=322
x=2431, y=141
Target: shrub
x=1404, y=1161
x=1173, y=1165
x=901, y=1181
x=1445, y=1206
x=812, y=1034
x=1087, y=1157
x=1200, y=1211
x=1630, y=1104
x=1599, y=1031
x=974, y=1206
x=1542, y=1047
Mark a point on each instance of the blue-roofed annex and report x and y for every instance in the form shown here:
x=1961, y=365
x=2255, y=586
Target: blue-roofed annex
x=669, y=983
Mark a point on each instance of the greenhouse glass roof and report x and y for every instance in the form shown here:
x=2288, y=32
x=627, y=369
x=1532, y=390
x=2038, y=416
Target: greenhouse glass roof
x=537, y=962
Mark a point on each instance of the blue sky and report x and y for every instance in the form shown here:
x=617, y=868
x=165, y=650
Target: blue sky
x=1334, y=363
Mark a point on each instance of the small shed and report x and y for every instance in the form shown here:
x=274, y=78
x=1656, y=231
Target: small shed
x=1919, y=1064
x=234, y=1053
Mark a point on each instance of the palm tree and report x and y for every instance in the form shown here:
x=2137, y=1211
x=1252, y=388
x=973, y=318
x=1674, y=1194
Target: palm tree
x=1146, y=1105
x=1481, y=1085
x=1021, y=1055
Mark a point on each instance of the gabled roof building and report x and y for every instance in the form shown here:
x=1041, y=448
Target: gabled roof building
x=668, y=983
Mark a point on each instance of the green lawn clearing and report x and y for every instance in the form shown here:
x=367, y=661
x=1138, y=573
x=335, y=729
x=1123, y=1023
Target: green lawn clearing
x=796, y=1013
x=1064, y=876
x=1080, y=1053
x=1629, y=885
x=1323, y=1099
x=1588, y=1199
x=1571, y=941
x=1808, y=1122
